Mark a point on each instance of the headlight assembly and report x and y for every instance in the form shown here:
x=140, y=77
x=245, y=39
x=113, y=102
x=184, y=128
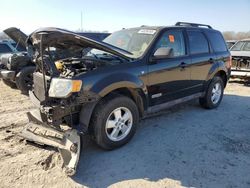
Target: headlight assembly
x=62, y=88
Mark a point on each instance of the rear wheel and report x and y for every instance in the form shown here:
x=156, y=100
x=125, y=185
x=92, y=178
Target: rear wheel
x=114, y=122
x=24, y=79
x=214, y=94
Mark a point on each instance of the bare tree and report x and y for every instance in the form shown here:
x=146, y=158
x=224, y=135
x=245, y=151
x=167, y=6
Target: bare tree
x=231, y=35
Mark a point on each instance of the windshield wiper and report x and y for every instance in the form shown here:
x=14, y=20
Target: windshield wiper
x=113, y=56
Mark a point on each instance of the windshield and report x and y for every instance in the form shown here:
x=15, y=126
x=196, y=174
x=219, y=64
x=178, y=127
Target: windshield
x=135, y=41
x=237, y=46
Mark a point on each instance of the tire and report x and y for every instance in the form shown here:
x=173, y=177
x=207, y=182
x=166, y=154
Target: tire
x=9, y=83
x=214, y=94
x=107, y=134
x=24, y=79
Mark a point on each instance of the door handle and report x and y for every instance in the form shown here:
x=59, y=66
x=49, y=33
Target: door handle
x=183, y=65
x=211, y=60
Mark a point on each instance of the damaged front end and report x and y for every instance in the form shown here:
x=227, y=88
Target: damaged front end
x=58, y=89
x=241, y=67
x=241, y=59
x=68, y=142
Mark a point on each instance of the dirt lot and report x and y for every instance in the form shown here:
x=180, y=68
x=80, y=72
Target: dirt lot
x=186, y=146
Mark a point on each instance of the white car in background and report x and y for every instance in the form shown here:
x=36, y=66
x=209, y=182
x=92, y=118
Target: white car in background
x=241, y=59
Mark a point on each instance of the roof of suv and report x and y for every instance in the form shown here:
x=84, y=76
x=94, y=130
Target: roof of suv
x=180, y=25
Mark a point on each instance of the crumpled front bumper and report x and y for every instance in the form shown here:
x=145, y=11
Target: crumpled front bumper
x=68, y=142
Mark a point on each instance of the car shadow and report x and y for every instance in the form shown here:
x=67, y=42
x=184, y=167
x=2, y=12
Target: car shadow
x=186, y=146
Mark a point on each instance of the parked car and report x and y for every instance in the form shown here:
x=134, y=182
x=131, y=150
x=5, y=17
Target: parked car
x=241, y=59
x=230, y=43
x=7, y=46
x=132, y=73
x=16, y=68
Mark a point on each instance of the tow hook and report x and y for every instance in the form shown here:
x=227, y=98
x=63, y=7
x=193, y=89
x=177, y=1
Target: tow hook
x=68, y=143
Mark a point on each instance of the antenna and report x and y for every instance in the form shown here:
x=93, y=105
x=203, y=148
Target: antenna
x=81, y=22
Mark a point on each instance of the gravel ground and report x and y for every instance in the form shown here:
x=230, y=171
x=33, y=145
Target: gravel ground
x=185, y=146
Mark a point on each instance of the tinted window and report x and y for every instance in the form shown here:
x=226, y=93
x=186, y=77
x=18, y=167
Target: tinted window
x=4, y=48
x=217, y=41
x=246, y=47
x=174, y=40
x=197, y=42
x=237, y=46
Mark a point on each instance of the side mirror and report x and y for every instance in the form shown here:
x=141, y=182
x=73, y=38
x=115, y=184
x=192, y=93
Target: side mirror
x=163, y=52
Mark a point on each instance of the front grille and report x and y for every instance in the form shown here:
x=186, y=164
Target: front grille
x=39, y=89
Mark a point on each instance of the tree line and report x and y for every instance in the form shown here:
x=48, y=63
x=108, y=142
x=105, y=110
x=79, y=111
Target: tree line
x=231, y=35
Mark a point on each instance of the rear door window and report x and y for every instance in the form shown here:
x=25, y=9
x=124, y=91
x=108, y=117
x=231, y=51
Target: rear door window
x=4, y=48
x=217, y=41
x=198, y=43
x=172, y=39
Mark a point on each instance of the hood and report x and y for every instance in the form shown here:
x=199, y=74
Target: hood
x=60, y=38
x=17, y=35
x=240, y=53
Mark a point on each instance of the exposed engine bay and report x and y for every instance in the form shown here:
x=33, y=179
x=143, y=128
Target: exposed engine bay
x=73, y=66
x=240, y=67
x=241, y=63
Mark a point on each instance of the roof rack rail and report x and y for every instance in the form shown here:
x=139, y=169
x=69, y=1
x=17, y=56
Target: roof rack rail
x=192, y=24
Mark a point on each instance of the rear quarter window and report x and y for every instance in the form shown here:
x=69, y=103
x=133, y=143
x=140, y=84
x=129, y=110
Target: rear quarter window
x=217, y=41
x=198, y=43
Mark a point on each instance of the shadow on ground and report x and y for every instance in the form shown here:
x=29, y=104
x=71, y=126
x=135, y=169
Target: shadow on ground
x=245, y=82
x=188, y=145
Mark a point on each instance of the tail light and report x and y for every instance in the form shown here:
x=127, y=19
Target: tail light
x=229, y=62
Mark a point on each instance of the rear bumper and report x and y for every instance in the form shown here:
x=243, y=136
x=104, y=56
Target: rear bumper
x=7, y=74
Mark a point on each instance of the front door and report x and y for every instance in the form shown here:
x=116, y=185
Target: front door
x=169, y=78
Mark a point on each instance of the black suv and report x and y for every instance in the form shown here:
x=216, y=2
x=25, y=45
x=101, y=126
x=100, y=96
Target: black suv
x=132, y=73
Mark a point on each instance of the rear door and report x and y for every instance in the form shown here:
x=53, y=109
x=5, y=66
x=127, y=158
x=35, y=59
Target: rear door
x=220, y=49
x=201, y=56
x=169, y=77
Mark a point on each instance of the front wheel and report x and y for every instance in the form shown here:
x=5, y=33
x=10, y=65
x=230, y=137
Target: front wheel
x=24, y=79
x=214, y=94
x=115, y=121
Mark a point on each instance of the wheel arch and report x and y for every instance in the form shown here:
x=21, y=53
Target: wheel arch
x=136, y=94
x=218, y=69
x=222, y=74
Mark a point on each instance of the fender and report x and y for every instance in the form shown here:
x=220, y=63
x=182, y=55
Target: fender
x=216, y=67
x=116, y=81
x=105, y=86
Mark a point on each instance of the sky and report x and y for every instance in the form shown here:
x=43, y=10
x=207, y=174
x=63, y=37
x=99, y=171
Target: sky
x=112, y=15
